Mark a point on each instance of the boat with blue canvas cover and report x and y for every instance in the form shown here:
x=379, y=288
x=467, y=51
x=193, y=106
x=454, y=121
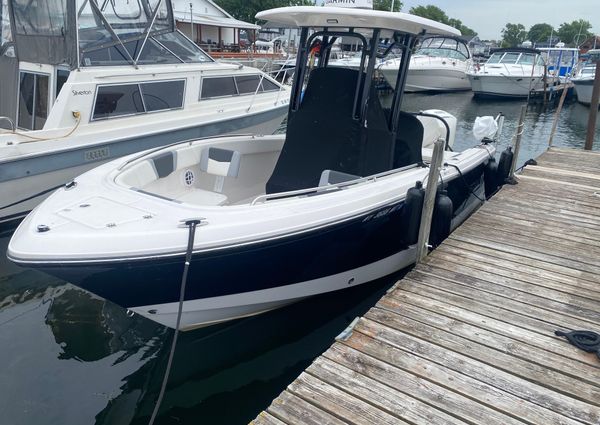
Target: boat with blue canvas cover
x=333, y=203
x=84, y=82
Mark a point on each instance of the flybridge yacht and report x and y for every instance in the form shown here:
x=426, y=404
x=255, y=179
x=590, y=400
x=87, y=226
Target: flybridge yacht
x=85, y=81
x=439, y=64
x=335, y=202
x=512, y=73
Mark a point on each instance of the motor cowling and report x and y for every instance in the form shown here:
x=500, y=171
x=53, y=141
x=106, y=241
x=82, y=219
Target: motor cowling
x=441, y=222
x=415, y=197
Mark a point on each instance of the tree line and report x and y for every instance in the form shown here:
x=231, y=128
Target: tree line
x=571, y=33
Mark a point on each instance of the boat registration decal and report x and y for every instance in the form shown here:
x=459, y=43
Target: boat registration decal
x=96, y=154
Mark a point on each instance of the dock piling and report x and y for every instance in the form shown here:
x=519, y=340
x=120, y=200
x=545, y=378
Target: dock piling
x=430, y=194
x=511, y=177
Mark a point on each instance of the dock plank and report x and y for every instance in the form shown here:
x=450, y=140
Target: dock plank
x=467, y=336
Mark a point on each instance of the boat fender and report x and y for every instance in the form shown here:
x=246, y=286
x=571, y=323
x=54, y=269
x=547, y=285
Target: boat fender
x=504, y=164
x=441, y=221
x=490, y=174
x=413, y=207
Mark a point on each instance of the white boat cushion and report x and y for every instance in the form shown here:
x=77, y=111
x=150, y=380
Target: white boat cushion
x=188, y=157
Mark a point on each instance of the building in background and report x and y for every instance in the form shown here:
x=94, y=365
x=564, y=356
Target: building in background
x=211, y=27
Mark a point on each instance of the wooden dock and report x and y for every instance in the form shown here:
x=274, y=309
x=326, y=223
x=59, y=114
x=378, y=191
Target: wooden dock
x=468, y=335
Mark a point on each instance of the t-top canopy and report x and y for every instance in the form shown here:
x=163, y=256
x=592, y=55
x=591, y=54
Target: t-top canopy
x=336, y=17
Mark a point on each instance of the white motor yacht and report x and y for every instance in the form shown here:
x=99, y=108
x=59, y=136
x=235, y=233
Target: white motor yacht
x=512, y=73
x=439, y=64
x=331, y=204
x=86, y=81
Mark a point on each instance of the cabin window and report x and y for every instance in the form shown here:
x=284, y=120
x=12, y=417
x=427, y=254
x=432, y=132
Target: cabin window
x=218, y=87
x=61, y=78
x=33, y=100
x=526, y=59
x=115, y=101
x=163, y=95
x=247, y=83
x=131, y=99
x=232, y=86
x=269, y=85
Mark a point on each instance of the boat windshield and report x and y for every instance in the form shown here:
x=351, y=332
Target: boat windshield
x=116, y=32
x=515, y=58
x=443, y=47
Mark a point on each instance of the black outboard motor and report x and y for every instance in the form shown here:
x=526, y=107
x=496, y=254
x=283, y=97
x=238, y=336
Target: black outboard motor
x=441, y=222
x=490, y=176
x=504, y=165
x=415, y=196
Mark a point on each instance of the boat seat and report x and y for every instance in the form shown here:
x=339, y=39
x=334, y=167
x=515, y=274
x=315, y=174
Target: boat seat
x=331, y=177
x=218, y=162
x=221, y=163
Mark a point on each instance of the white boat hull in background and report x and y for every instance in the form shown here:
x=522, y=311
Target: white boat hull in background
x=584, y=88
x=504, y=85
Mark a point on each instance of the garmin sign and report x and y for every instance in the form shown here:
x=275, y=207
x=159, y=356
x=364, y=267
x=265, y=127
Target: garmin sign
x=359, y=4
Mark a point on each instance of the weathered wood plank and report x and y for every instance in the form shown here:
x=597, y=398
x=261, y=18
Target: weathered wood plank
x=552, y=263
x=546, y=179
x=530, y=273
x=366, y=355
x=543, y=224
x=469, y=248
x=265, y=418
x=528, y=371
x=526, y=275
x=388, y=399
x=519, y=387
x=521, y=343
x=292, y=409
x=470, y=298
x=563, y=177
x=341, y=360
x=500, y=317
x=544, y=303
x=523, y=248
x=560, y=172
x=341, y=404
x=545, y=297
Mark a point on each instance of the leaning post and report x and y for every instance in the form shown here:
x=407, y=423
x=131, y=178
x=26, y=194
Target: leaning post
x=429, y=202
x=591, y=128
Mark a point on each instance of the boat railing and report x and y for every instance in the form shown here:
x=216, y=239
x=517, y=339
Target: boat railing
x=319, y=190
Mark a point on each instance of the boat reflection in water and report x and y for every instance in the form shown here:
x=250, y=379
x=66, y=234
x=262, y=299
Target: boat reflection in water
x=85, y=360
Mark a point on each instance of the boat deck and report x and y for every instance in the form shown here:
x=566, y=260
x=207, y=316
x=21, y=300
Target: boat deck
x=468, y=335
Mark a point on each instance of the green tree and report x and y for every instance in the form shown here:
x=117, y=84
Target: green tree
x=575, y=32
x=430, y=12
x=513, y=35
x=436, y=14
x=245, y=10
x=387, y=5
x=540, y=33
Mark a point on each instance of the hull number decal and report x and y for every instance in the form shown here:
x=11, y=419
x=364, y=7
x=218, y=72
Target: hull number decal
x=97, y=154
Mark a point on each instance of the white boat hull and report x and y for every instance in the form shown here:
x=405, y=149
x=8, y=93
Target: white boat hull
x=584, y=88
x=504, y=85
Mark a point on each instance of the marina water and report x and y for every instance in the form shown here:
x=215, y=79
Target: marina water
x=69, y=357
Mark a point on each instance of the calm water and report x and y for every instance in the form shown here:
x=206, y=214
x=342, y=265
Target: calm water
x=68, y=357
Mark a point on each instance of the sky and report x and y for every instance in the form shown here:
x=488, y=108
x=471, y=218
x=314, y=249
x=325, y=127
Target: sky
x=488, y=17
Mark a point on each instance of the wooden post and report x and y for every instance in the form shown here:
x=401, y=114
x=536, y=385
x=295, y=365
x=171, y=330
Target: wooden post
x=591, y=129
x=429, y=202
x=557, y=114
x=511, y=177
